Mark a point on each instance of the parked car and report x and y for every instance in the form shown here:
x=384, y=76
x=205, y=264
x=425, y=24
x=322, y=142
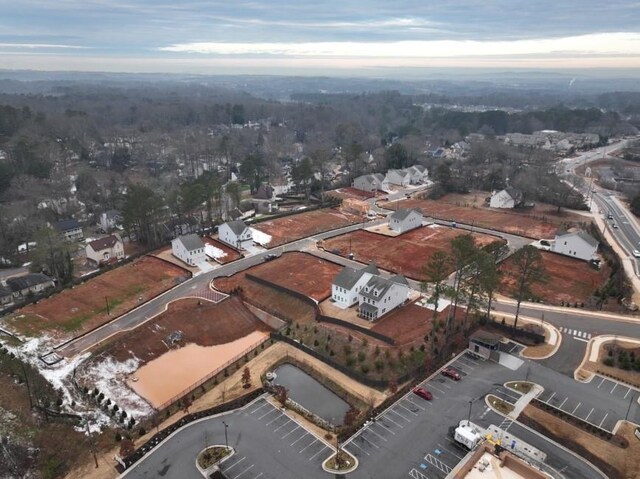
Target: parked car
x=270, y=256
x=615, y=226
x=636, y=253
x=423, y=393
x=451, y=373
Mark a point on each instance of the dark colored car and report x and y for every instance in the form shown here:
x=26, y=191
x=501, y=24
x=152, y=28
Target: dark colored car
x=451, y=373
x=423, y=393
x=270, y=256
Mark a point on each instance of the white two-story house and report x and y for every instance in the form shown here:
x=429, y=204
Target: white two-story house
x=348, y=283
x=577, y=245
x=189, y=248
x=404, y=220
x=235, y=233
x=398, y=178
x=380, y=295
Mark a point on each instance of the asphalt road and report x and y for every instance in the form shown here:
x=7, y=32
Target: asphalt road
x=626, y=232
x=146, y=311
x=411, y=435
x=577, y=326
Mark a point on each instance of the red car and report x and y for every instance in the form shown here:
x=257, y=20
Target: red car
x=451, y=373
x=423, y=393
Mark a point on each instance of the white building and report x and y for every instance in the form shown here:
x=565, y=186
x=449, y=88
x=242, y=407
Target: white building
x=370, y=183
x=189, y=249
x=405, y=220
x=348, y=283
x=70, y=228
x=380, y=296
x=105, y=250
x=109, y=220
x=398, y=178
x=577, y=245
x=507, y=198
x=235, y=233
x=419, y=174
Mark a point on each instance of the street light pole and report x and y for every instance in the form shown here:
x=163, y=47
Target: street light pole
x=469, y=419
x=629, y=408
x=226, y=438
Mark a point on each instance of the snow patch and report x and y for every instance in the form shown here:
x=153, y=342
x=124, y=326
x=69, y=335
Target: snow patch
x=263, y=239
x=213, y=252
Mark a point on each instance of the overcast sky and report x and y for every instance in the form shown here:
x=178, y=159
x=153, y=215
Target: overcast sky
x=316, y=37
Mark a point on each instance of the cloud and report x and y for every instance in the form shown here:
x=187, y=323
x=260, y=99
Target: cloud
x=40, y=46
x=621, y=43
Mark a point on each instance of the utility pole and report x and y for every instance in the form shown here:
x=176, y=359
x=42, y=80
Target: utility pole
x=26, y=381
x=226, y=438
x=626, y=416
x=470, y=404
x=106, y=300
x=91, y=443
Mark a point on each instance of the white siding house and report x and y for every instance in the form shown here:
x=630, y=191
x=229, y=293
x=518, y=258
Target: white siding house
x=419, y=174
x=405, y=220
x=109, y=220
x=380, y=296
x=235, y=233
x=70, y=228
x=348, y=283
x=507, y=198
x=398, y=178
x=189, y=249
x=369, y=183
x=105, y=250
x=577, y=245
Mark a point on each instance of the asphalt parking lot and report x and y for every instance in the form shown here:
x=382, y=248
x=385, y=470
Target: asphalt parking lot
x=436, y=454
x=583, y=405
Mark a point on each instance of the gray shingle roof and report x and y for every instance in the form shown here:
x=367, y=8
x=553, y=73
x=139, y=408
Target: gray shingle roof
x=348, y=277
x=5, y=291
x=377, y=283
x=237, y=226
x=402, y=214
x=67, y=225
x=582, y=234
x=191, y=242
x=398, y=278
x=27, y=281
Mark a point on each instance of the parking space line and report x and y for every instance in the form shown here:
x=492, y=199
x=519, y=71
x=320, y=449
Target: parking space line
x=280, y=427
x=398, y=414
x=507, y=393
x=383, y=426
x=258, y=408
x=433, y=387
x=235, y=463
x=354, y=444
x=565, y=400
x=305, y=434
x=381, y=437
x=625, y=396
x=463, y=367
x=391, y=420
x=574, y=411
x=274, y=420
x=551, y=397
x=307, y=446
x=406, y=409
x=258, y=476
x=440, y=446
x=465, y=361
x=369, y=441
x=603, y=380
x=605, y=417
x=415, y=474
x=419, y=407
x=246, y=470
x=587, y=418
x=266, y=414
x=615, y=385
x=325, y=447
x=297, y=427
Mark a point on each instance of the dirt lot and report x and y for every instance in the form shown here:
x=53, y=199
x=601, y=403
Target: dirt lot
x=615, y=461
x=300, y=272
x=349, y=192
x=407, y=324
x=232, y=254
x=291, y=228
x=84, y=307
x=568, y=279
x=207, y=324
x=543, y=221
x=405, y=254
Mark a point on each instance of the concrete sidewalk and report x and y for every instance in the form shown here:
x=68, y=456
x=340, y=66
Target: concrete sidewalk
x=524, y=401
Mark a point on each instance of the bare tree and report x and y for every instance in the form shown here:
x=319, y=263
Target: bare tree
x=529, y=271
